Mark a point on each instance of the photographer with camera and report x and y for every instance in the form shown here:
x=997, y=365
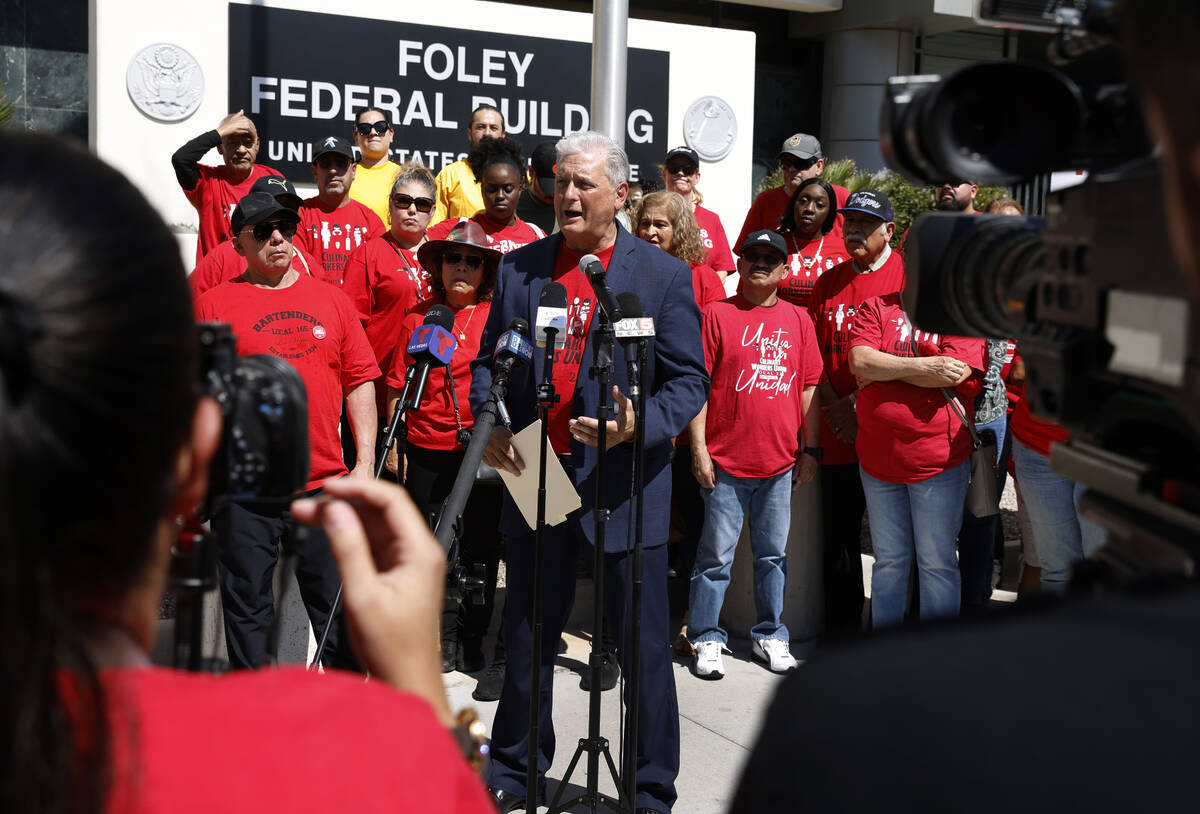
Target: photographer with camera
x=312, y=326
x=98, y=376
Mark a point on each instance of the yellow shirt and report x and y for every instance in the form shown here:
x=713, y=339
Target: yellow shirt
x=458, y=193
x=373, y=185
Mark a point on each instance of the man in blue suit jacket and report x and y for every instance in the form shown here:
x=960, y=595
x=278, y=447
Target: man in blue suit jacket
x=590, y=189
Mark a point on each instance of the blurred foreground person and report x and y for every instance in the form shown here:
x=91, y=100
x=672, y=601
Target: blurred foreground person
x=98, y=363
x=1100, y=704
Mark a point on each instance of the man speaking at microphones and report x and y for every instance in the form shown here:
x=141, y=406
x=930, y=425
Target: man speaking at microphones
x=590, y=188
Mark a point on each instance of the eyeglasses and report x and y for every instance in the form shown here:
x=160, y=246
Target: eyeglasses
x=686, y=169
x=380, y=127
x=471, y=261
x=264, y=230
x=405, y=201
x=771, y=259
x=797, y=165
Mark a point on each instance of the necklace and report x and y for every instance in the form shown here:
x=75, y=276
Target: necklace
x=809, y=262
x=462, y=332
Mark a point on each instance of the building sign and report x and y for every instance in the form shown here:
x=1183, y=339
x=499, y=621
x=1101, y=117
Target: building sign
x=301, y=76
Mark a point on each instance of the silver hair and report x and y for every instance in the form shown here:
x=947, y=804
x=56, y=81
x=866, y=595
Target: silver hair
x=616, y=163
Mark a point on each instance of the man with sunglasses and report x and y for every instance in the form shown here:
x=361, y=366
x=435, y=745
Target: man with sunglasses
x=215, y=191
x=273, y=309
x=755, y=442
x=373, y=177
x=458, y=192
x=332, y=224
x=799, y=159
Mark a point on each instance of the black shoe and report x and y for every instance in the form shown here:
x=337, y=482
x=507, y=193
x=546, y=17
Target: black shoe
x=610, y=671
x=470, y=656
x=506, y=801
x=449, y=656
x=491, y=683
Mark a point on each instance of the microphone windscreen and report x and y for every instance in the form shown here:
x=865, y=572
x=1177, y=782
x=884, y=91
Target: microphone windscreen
x=519, y=325
x=630, y=305
x=441, y=316
x=554, y=295
x=590, y=265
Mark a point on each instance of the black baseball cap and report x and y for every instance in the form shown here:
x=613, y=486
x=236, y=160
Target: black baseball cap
x=256, y=207
x=279, y=187
x=765, y=237
x=542, y=163
x=871, y=202
x=332, y=144
x=691, y=154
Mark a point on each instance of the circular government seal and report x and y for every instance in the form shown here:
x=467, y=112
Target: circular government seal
x=165, y=82
x=710, y=128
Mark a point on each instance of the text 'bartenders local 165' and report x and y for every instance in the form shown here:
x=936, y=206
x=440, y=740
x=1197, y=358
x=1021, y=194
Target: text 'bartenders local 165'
x=301, y=76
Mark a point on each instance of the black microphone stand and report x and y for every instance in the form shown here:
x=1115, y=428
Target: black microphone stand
x=634, y=659
x=595, y=744
x=546, y=399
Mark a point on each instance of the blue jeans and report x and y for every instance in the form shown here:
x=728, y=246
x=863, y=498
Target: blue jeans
x=923, y=516
x=1060, y=535
x=770, y=503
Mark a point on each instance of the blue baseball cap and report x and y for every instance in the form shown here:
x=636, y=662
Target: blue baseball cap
x=870, y=202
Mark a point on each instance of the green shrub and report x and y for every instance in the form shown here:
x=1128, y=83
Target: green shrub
x=6, y=109
x=908, y=199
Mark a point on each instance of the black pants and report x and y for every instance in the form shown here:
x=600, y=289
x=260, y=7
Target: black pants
x=658, y=729
x=429, y=477
x=842, y=506
x=688, y=506
x=249, y=538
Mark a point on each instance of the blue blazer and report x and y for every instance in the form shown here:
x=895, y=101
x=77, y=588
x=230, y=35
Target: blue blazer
x=676, y=377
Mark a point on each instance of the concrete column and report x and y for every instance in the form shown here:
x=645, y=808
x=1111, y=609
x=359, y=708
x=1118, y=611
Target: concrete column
x=858, y=63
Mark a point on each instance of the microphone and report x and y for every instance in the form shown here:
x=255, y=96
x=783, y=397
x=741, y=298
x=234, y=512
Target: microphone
x=632, y=332
x=552, y=315
x=432, y=345
x=513, y=350
x=593, y=269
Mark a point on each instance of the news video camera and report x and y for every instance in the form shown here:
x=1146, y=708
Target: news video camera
x=1090, y=291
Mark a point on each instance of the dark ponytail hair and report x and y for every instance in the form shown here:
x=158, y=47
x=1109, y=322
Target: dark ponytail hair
x=97, y=394
x=788, y=222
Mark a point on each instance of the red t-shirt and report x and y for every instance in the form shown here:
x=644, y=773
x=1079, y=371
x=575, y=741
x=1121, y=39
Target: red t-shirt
x=215, y=198
x=500, y=237
x=807, y=261
x=384, y=282
x=832, y=305
x=313, y=327
x=248, y=741
x=1036, y=433
x=706, y=287
x=433, y=426
x=760, y=359
x=712, y=235
x=907, y=434
x=330, y=235
x=769, y=207
x=581, y=305
x=223, y=263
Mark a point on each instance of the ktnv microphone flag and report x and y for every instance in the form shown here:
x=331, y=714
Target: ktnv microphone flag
x=432, y=345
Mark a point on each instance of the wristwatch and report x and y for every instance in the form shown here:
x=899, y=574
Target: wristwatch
x=817, y=453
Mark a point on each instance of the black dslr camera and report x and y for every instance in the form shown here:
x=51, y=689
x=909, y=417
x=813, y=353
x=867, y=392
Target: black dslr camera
x=263, y=455
x=1090, y=291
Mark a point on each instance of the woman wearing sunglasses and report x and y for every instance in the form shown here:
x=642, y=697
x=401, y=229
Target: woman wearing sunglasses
x=499, y=168
x=383, y=276
x=464, y=275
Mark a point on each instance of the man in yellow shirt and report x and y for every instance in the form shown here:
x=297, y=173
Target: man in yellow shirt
x=458, y=193
x=376, y=171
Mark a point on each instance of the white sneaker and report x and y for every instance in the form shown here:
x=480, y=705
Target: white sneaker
x=776, y=653
x=708, y=660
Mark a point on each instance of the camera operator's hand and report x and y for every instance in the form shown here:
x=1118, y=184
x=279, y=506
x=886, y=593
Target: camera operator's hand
x=500, y=453
x=393, y=573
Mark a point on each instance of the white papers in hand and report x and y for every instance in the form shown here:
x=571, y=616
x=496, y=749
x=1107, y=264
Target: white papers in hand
x=561, y=497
